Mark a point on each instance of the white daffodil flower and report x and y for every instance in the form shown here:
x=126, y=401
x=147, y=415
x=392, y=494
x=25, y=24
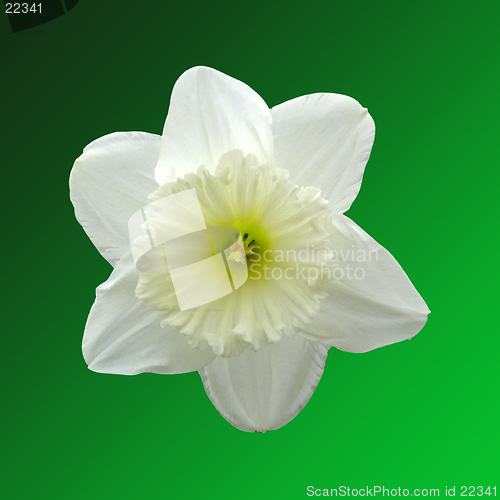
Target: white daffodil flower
x=283, y=177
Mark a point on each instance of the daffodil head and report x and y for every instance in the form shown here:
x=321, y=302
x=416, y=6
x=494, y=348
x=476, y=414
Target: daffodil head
x=271, y=187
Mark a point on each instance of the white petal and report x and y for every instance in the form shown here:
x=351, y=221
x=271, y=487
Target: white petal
x=109, y=182
x=264, y=390
x=124, y=336
x=210, y=114
x=376, y=306
x=324, y=140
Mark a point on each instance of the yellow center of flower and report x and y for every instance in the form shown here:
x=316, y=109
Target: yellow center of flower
x=239, y=251
x=284, y=243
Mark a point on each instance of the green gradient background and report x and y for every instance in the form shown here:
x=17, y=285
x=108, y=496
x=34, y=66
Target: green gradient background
x=420, y=414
